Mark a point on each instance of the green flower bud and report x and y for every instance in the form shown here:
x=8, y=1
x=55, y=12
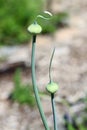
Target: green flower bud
x=35, y=28
x=52, y=87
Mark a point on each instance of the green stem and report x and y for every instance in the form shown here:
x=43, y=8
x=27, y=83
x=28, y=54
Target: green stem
x=54, y=111
x=35, y=85
x=52, y=94
x=51, y=65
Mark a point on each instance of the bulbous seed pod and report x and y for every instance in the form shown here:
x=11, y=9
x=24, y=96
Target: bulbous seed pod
x=35, y=28
x=52, y=87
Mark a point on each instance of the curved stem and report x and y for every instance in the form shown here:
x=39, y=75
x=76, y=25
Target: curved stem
x=51, y=65
x=35, y=85
x=52, y=94
x=54, y=111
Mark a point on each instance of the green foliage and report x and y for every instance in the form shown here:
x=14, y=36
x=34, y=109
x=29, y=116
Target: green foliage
x=80, y=127
x=15, y=16
x=70, y=127
x=22, y=93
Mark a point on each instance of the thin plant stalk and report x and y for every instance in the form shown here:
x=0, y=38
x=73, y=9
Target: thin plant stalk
x=54, y=111
x=35, y=85
x=52, y=94
x=50, y=78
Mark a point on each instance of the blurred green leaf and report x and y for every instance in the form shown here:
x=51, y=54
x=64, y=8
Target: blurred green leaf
x=22, y=93
x=15, y=16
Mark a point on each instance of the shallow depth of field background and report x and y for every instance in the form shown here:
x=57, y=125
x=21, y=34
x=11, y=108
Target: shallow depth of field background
x=67, y=31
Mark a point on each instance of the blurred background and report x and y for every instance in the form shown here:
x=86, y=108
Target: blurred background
x=67, y=31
